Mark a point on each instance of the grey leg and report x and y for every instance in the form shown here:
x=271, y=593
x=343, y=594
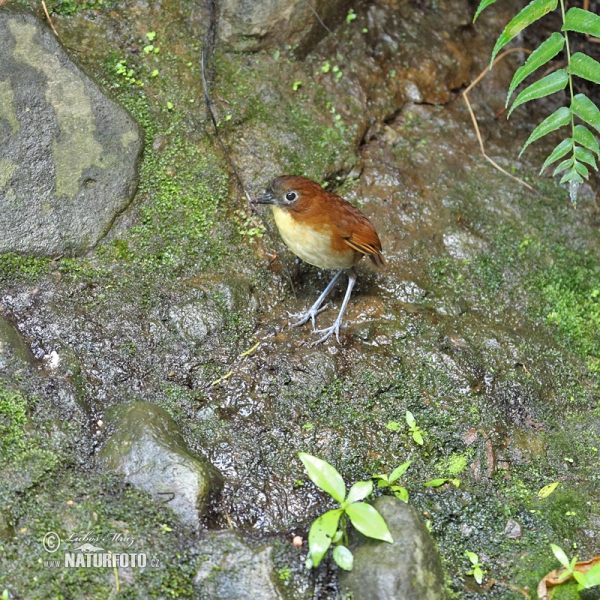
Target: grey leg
x=335, y=328
x=313, y=311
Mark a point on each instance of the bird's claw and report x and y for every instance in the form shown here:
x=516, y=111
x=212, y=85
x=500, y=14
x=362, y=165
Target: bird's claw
x=329, y=331
x=305, y=317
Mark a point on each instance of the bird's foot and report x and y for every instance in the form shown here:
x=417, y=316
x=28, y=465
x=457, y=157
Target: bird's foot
x=329, y=331
x=305, y=317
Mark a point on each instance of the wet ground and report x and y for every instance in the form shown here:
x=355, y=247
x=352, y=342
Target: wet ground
x=484, y=324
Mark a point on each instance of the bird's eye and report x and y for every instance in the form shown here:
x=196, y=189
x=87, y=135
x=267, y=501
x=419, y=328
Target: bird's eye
x=291, y=196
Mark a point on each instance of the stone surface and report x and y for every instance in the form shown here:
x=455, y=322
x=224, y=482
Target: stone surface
x=408, y=569
x=251, y=26
x=234, y=570
x=147, y=448
x=68, y=154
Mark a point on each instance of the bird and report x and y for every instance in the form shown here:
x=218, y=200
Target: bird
x=324, y=230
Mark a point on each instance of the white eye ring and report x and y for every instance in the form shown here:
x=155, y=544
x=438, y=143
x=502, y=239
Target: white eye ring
x=291, y=196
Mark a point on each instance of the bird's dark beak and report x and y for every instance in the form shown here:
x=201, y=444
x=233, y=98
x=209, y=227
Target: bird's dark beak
x=266, y=198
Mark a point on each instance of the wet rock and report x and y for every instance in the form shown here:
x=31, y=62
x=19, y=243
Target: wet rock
x=513, y=529
x=408, y=569
x=12, y=346
x=251, y=26
x=232, y=569
x=147, y=448
x=195, y=321
x=68, y=155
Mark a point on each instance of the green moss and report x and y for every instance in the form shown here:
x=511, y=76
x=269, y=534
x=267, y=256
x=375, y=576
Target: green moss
x=13, y=417
x=24, y=267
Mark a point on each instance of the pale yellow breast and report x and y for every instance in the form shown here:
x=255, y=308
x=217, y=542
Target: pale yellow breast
x=312, y=246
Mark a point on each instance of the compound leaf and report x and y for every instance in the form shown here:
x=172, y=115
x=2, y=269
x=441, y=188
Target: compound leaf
x=544, y=87
x=555, y=121
x=582, y=21
x=482, y=5
x=531, y=13
x=585, y=156
x=558, y=152
x=585, y=67
x=586, y=110
x=547, y=51
x=584, y=137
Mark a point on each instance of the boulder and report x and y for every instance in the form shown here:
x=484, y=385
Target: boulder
x=68, y=158
x=408, y=569
x=147, y=448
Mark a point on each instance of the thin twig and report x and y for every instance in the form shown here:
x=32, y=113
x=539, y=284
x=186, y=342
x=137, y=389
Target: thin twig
x=49, y=19
x=476, y=126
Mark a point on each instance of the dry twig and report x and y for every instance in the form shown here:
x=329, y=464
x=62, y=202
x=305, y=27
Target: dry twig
x=477, y=132
x=47, y=17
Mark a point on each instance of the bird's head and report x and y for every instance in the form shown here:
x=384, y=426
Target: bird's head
x=289, y=191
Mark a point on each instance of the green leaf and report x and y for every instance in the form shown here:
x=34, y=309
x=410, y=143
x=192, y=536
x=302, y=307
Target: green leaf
x=359, y=491
x=400, y=492
x=399, y=471
x=393, y=426
x=482, y=5
x=548, y=489
x=337, y=536
x=586, y=110
x=573, y=176
x=583, y=136
x=547, y=51
x=582, y=21
x=382, y=483
x=418, y=437
x=558, y=152
x=320, y=534
x=368, y=521
x=410, y=420
x=555, y=121
x=593, y=575
x=343, y=557
x=531, y=13
x=472, y=557
x=581, y=579
x=561, y=557
x=584, y=66
x=435, y=482
x=585, y=156
x=582, y=169
x=478, y=574
x=540, y=89
x=565, y=164
x=324, y=476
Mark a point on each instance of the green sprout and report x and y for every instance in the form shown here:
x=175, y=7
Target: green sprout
x=584, y=580
x=296, y=85
x=350, y=16
x=476, y=571
x=388, y=481
x=414, y=429
x=330, y=527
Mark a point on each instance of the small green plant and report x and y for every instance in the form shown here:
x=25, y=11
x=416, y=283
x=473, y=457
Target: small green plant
x=581, y=147
x=284, y=574
x=5, y=595
x=414, y=429
x=389, y=481
x=585, y=581
x=441, y=481
x=350, y=16
x=476, y=569
x=330, y=527
x=249, y=226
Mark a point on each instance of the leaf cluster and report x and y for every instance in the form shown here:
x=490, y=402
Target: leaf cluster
x=579, y=151
x=330, y=527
